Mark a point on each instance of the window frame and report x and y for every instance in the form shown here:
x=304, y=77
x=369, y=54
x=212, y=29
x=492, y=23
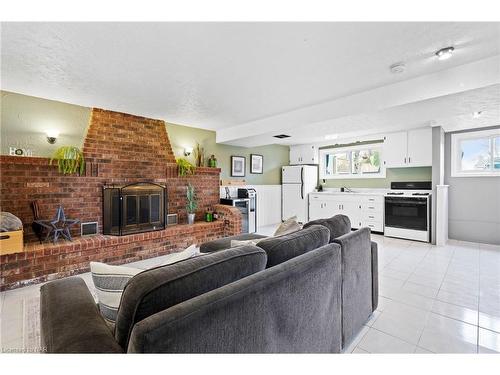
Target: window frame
x=350, y=149
x=455, y=149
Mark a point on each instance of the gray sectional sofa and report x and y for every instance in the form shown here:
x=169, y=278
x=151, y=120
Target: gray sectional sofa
x=300, y=293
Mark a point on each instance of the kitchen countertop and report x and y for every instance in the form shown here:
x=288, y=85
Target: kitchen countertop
x=360, y=191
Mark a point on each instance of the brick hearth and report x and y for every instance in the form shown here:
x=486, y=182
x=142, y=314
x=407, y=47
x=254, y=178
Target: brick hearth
x=119, y=148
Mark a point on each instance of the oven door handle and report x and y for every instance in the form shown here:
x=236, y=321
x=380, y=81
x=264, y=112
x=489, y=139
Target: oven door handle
x=413, y=203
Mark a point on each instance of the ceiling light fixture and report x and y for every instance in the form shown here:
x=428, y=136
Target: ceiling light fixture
x=477, y=114
x=397, y=68
x=445, y=53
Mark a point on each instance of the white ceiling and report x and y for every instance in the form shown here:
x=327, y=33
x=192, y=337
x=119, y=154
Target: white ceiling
x=230, y=76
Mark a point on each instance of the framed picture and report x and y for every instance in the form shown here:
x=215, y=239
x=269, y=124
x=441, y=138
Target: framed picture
x=237, y=166
x=256, y=163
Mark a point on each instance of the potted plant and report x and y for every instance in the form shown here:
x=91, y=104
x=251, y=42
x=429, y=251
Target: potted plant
x=185, y=167
x=192, y=203
x=69, y=160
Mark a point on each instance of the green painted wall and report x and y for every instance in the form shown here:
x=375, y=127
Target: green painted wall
x=392, y=174
x=275, y=156
x=25, y=119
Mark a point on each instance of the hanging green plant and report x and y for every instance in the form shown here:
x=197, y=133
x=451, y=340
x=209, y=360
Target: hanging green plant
x=69, y=160
x=185, y=167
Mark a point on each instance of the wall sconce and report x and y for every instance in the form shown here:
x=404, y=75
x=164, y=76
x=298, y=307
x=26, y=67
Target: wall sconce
x=188, y=151
x=52, y=136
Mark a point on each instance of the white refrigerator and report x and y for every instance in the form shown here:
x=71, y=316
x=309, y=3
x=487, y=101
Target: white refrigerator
x=297, y=182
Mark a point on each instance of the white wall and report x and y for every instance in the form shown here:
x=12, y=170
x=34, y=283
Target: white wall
x=474, y=205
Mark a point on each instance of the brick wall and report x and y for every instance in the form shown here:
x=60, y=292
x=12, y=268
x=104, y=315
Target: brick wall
x=43, y=262
x=119, y=148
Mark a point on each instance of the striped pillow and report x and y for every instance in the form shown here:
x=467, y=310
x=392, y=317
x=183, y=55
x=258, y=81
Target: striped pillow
x=109, y=282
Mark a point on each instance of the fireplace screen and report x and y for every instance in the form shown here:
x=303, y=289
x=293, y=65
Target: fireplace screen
x=133, y=208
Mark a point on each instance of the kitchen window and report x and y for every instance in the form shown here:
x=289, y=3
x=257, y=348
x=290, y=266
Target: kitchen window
x=475, y=153
x=352, y=162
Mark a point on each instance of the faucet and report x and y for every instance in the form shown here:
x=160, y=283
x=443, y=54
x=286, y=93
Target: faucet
x=347, y=190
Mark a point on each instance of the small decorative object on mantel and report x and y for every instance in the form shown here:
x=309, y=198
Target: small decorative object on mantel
x=70, y=160
x=256, y=164
x=18, y=151
x=238, y=166
x=199, y=155
x=212, y=162
x=209, y=215
x=185, y=167
x=59, y=226
x=192, y=203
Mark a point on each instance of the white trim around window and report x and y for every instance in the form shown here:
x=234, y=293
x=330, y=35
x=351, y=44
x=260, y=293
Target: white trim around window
x=476, y=154
x=324, y=174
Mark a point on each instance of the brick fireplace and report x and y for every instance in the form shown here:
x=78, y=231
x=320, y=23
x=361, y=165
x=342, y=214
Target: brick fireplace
x=119, y=149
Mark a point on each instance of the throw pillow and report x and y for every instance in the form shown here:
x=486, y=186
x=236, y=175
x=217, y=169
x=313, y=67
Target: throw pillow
x=190, y=252
x=254, y=242
x=109, y=282
x=290, y=225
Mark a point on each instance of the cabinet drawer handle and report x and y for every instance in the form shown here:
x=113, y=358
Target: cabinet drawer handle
x=371, y=200
x=371, y=217
x=4, y=237
x=371, y=208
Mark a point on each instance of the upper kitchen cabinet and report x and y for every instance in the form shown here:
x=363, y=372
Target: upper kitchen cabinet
x=303, y=154
x=395, y=149
x=420, y=147
x=411, y=148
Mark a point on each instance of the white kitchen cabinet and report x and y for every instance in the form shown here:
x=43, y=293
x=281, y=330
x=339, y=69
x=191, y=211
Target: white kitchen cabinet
x=420, y=147
x=322, y=206
x=303, y=154
x=294, y=155
x=395, y=147
x=411, y=148
x=362, y=210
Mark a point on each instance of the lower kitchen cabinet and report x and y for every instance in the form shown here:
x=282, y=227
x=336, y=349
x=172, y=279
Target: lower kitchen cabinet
x=362, y=210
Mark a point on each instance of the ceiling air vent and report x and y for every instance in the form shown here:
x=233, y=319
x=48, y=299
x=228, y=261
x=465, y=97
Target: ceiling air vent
x=281, y=136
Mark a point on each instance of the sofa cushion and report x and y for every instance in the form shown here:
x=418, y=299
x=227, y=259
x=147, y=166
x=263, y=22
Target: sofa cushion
x=283, y=248
x=70, y=321
x=338, y=225
x=159, y=288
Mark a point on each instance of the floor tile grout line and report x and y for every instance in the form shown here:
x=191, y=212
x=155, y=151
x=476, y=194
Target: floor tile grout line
x=389, y=334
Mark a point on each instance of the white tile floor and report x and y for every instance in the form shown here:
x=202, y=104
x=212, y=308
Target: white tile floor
x=432, y=300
